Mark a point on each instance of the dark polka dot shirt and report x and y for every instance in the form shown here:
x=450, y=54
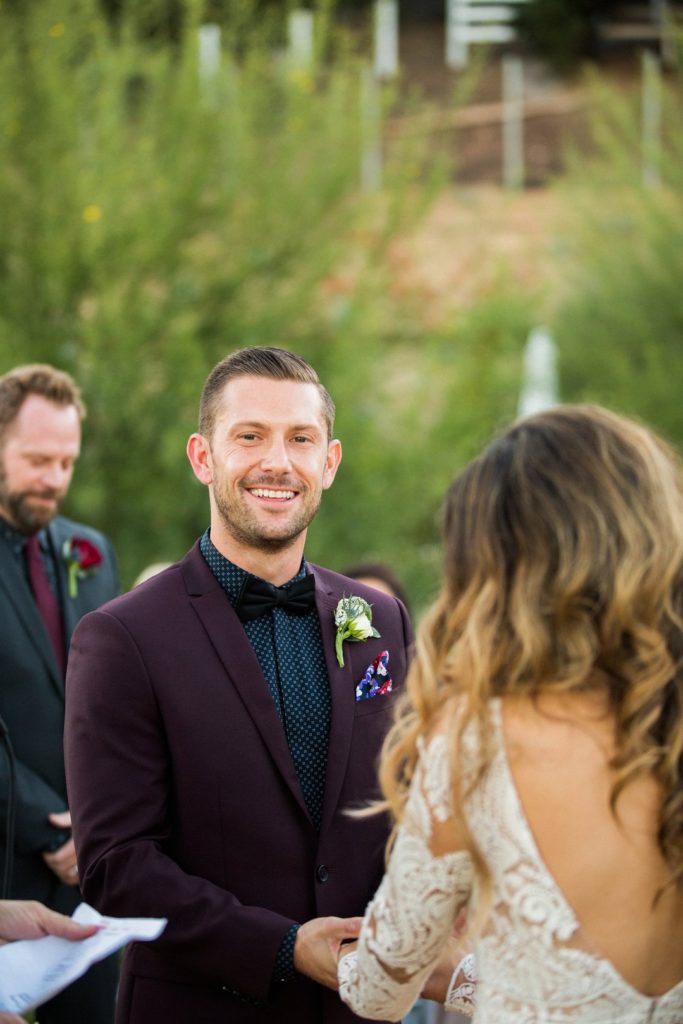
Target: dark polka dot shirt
x=290, y=652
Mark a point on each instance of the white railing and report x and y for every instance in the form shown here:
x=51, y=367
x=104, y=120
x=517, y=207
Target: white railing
x=509, y=114
x=477, y=21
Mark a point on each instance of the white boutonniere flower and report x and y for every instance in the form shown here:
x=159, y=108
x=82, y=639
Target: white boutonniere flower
x=353, y=619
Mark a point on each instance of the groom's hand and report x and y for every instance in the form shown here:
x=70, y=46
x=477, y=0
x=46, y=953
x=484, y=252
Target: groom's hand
x=63, y=860
x=317, y=947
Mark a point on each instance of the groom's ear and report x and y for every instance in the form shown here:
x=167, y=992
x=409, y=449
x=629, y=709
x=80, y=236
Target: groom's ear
x=334, y=454
x=199, y=454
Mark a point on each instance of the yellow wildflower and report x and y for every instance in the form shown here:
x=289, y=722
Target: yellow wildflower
x=92, y=214
x=302, y=80
x=57, y=30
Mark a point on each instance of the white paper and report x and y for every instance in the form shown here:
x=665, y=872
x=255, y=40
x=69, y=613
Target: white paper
x=34, y=970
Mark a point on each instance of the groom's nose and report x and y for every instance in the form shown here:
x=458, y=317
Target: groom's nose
x=276, y=456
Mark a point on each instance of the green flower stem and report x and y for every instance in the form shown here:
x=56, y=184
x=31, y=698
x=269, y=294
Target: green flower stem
x=73, y=580
x=341, y=637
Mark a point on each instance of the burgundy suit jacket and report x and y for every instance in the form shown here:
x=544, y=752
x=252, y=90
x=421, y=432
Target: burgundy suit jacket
x=186, y=804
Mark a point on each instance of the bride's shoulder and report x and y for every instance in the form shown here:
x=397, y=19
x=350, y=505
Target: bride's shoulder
x=559, y=728
x=554, y=734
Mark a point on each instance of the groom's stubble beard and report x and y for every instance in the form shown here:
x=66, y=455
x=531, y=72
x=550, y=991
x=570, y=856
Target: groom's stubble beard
x=246, y=530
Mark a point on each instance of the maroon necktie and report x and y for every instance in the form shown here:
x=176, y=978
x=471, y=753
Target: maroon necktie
x=48, y=606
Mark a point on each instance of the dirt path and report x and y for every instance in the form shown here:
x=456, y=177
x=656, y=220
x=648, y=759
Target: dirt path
x=477, y=234
x=471, y=239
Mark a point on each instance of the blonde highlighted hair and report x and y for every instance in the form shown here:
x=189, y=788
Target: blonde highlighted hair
x=563, y=571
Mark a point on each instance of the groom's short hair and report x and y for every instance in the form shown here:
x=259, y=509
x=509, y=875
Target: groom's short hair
x=260, y=361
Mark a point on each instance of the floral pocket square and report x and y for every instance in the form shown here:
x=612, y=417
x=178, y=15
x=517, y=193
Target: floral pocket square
x=376, y=680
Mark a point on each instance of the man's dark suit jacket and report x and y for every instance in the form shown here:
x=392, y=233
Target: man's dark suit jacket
x=186, y=804
x=32, y=705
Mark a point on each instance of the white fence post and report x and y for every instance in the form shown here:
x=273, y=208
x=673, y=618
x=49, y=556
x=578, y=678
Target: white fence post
x=539, y=377
x=477, y=21
x=651, y=123
x=513, y=122
x=300, y=37
x=456, y=36
x=386, y=38
x=209, y=51
x=371, y=159
x=667, y=32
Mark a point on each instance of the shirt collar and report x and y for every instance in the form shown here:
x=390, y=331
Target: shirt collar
x=16, y=540
x=230, y=576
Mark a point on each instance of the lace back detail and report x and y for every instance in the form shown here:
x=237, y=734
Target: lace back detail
x=527, y=972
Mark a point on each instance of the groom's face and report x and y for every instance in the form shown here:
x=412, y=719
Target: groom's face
x=270, y=460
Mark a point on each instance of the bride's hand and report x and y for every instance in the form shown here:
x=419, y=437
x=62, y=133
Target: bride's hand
x=436, y=986
x=438, y=982
x=345, y=949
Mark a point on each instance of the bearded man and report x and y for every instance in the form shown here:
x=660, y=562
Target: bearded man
x=222, y=718
x=52, y=571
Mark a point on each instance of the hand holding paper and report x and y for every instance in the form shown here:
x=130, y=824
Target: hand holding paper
x=33, y=970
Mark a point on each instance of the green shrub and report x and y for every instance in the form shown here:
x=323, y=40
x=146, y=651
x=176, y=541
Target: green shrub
x=153, y=222
x=426, y=405
x=620, y=324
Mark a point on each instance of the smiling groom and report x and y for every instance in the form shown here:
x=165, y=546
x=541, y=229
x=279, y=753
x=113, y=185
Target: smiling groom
x=214, y=740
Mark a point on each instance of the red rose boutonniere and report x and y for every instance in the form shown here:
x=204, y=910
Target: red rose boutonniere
x=82, y=558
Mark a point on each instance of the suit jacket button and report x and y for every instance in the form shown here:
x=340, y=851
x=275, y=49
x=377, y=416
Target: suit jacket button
x=322, y=873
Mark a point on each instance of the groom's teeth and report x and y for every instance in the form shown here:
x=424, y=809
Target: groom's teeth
x=262, y=493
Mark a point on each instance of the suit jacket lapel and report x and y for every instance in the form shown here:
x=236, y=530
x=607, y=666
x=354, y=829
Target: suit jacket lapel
x=19, y=595
x=342, y=693
x=226, y=634
x=71, y=612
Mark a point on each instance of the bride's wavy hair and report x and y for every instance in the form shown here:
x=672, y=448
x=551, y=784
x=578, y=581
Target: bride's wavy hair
x=563, y=566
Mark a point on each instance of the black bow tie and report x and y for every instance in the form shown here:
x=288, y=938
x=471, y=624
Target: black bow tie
x=258, y=597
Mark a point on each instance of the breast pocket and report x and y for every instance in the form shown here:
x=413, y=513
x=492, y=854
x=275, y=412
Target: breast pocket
x=381, y=704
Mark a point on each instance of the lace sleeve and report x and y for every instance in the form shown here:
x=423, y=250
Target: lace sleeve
x=410, y=919
x=462, y=990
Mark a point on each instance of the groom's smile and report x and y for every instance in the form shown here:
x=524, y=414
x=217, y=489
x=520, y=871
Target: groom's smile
x=272, y=494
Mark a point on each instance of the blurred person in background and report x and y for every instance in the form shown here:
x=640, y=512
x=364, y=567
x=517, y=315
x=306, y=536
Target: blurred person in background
x=150, y=570
x=381, y=577
x=52, y=571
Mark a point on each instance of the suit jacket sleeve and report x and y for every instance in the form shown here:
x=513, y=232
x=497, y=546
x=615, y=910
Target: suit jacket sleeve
x=35, y=799
x=119, y=774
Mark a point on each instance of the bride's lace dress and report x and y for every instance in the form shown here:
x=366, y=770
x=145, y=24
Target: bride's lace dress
x=527, y=971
